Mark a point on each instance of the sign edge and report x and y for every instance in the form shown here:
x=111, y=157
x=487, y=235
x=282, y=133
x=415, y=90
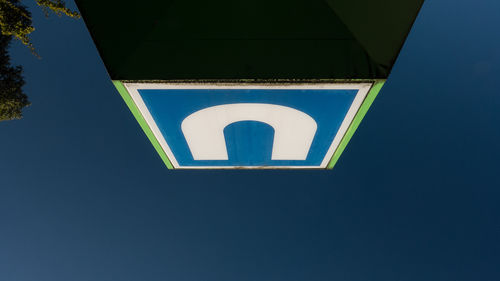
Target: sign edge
x=142, y=122
x=365, y=106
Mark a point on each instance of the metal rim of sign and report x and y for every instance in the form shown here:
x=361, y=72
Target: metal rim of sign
x=367, y=91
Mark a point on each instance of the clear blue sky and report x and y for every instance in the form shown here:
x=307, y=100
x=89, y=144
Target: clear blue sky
x=84, y=196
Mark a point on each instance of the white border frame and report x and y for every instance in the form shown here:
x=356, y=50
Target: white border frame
x=363, y=89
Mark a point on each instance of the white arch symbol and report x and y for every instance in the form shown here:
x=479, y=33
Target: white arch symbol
x=293, y=129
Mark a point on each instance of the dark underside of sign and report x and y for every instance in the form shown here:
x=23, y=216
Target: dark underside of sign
x=249, y=39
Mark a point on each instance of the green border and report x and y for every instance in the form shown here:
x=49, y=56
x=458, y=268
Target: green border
x=137, y=114
x=372, y=94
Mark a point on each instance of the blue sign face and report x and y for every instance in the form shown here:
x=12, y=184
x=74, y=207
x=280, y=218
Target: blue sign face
x=224, y=127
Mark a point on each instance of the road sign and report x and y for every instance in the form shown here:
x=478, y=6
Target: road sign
x=249, y=84
x=248, y=125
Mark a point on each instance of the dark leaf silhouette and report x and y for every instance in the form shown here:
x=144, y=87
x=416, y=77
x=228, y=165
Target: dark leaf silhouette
x=16, y=22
